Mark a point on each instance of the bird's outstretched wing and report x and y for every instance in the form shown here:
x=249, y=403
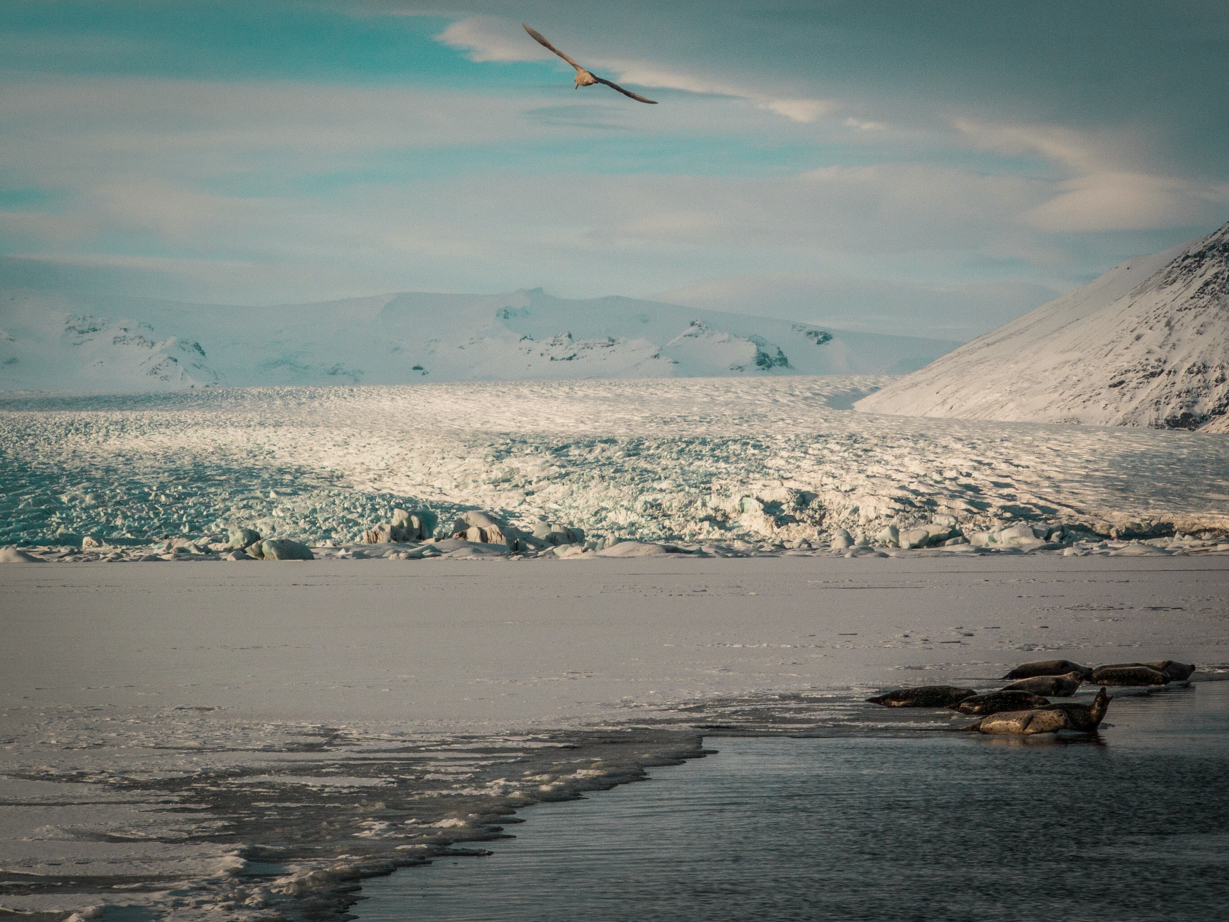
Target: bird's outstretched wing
x=615, y=86
x=541, y=40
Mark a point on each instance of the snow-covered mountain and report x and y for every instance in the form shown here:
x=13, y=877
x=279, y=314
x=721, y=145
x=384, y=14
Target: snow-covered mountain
x=1146, y=344
x=62, y=343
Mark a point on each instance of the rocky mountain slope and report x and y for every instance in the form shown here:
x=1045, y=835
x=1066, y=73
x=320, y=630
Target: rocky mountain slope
x=1146, y=344
x=60, y=343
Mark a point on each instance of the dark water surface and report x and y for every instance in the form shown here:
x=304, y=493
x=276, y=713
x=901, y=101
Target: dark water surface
x=1132, y=826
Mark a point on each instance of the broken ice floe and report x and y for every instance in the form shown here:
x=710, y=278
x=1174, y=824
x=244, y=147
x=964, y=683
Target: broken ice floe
x=718, y=466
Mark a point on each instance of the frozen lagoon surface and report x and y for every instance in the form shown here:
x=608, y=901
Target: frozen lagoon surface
x=184, y=738
x=1134, y=825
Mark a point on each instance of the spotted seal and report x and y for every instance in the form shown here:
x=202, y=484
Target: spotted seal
x=928, y=696
x=1047, y=667
x=1053, y=719
x=995, y=702
x=1128, y=674
x=1055, y=686
x=1177, y=672
x=1084, y=717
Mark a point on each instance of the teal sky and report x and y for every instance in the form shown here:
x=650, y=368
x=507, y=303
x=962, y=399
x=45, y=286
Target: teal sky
x=923, y=168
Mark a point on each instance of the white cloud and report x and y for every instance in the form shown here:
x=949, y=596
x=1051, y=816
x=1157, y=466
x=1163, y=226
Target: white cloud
x=493, y=38
x=169, y=209
x=74, y=134
x=1127, y=201
x=683, y=225
x=943, y=310
x=1077, y=150
x=581, y=234
x=800, y=110
x=1106, y=190
x=917, y=199
x=650, y=75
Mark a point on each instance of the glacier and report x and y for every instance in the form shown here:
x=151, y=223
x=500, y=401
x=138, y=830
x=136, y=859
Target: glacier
x=773, y=462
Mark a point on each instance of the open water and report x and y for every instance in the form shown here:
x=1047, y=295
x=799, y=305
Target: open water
x=1130, y=825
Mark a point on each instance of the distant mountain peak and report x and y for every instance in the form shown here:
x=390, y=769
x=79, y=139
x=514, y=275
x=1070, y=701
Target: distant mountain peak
x=58, y=343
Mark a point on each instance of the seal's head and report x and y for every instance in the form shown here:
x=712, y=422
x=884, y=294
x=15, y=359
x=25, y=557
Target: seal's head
x=1100, y=704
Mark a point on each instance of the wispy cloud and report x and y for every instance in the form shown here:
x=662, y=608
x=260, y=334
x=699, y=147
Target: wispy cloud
x=579, y=234
x=865, y=126
x=1079, y=150
x=493, y=38
x=913, y=201
x=1106, y=201
x=800, y=110
x=1101, y=191
x=960, y=310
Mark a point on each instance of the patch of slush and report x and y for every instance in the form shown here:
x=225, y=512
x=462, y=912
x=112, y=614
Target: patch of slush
x=158, y=810
x=183, y=813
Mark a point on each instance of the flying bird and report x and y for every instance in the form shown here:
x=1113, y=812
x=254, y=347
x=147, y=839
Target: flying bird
x=583, y=77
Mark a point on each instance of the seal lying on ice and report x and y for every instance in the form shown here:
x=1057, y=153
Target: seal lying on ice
x=1083, y=717
x=1177, y=672
x=1128, y=674
x=928, y=696
x=1048, y=667
x=1056, y=686
x=1078, y=717
x=995, y=702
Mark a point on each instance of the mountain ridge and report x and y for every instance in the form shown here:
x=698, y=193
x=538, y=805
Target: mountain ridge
x=1146, y=344
x=57, y=342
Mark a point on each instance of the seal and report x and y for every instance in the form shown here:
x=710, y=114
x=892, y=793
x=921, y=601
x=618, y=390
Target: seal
x=928, y=696
x=1053, y=719
x=1048, y=667
x=1177, y=672
x=996, y=702
x=1055, y=686
x=1022, y=723
x=1128, y=674
x=1085, y=718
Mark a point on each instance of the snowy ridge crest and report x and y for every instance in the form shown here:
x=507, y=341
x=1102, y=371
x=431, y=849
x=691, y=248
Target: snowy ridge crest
x=1147, y=344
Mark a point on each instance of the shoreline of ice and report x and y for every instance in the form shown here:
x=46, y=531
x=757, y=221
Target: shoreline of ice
x=272, y=821
x=169, y=551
